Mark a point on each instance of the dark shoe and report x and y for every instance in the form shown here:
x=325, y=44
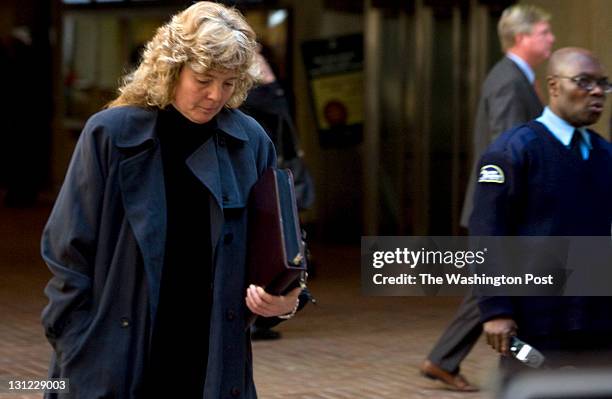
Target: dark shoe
x=264, y=334
x=456, y=382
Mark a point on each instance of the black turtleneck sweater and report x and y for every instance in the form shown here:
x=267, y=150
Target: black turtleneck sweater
x=179, y=349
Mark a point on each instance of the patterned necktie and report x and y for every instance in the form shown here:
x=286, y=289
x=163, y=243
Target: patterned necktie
x=575, y=144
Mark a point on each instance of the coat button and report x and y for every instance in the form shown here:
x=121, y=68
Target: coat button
x=125, y=322
x=228, y=238
x=235, y=391
x=231, y=315
x=221, y=141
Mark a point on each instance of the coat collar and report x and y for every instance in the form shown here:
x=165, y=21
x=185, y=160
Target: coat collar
x=139, y=126
x=141, y=179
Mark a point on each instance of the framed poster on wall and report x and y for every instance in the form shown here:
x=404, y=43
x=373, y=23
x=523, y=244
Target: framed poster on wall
x=334, y=68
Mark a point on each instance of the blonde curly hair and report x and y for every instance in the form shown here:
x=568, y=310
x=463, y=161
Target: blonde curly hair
x=207, y=37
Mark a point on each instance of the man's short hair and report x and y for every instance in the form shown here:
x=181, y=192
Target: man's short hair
x=517, y=19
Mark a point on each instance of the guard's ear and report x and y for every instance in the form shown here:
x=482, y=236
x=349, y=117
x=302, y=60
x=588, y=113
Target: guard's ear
x=552, y=83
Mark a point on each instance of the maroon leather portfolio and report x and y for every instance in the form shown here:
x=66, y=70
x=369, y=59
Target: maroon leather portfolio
x=275, y=255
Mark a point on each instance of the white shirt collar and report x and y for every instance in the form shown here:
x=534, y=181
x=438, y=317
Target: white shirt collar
x=523, y=66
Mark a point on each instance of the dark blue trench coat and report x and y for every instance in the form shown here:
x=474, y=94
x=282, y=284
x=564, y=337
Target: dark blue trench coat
x=104, y=244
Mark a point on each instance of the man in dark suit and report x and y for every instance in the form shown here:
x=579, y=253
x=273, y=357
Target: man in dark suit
x=508, y=98
x=565, y=170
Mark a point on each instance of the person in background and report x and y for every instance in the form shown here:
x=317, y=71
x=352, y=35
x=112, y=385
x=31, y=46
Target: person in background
x=267, y=102
x=508, y=98
x=565, y=171
x=147, y=238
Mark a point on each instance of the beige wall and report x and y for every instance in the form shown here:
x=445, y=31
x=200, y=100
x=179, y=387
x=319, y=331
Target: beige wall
x=583, y=23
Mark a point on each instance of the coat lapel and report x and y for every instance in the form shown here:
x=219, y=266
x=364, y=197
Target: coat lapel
x=205, y=166
x=211, y=165
x=141, y=180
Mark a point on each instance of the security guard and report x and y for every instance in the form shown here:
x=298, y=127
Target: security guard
x=551, y=177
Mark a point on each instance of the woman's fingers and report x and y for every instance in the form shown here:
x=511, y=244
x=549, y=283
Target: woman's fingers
x=263, y=304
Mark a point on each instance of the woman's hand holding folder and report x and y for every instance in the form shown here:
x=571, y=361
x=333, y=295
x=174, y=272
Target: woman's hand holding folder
x=263, y=304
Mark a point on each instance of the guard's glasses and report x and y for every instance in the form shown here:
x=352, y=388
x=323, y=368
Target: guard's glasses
x=588, y=83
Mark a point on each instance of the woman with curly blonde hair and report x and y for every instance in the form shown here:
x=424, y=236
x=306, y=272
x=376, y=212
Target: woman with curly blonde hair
x=225, y=42
x=147, y=239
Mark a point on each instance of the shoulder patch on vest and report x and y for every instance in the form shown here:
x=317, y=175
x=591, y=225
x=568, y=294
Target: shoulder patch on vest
x=491, y=174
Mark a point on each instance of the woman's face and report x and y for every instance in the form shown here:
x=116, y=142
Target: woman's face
x=200, y=96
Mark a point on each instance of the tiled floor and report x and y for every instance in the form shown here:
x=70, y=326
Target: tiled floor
x=347, y=346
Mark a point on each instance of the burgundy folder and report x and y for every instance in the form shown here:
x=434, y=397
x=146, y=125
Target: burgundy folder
x=275, y=254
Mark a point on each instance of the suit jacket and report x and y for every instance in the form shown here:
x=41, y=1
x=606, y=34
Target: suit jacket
x=507, y=99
